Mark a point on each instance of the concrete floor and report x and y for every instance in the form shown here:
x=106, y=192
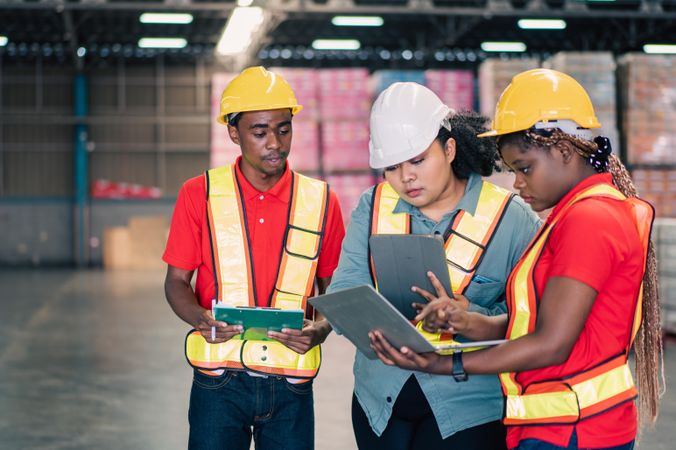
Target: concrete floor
x=90, y=359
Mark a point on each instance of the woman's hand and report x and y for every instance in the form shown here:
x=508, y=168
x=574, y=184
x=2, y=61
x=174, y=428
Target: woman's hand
x=406, y=358
x=442, y=313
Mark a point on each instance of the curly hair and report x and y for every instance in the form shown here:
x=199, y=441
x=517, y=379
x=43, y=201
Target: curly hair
x=472, y=154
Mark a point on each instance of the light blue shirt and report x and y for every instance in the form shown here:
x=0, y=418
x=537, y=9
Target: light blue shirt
x=456, y=406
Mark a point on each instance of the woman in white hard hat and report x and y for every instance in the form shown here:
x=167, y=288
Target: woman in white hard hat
x=433, y=163
x=581, y=291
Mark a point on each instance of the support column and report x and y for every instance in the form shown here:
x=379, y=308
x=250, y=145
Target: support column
x=80, y=173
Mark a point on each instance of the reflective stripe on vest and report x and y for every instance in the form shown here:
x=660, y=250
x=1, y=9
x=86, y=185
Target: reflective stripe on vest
x=465, y=246
x=583, y=394
x=234, y=276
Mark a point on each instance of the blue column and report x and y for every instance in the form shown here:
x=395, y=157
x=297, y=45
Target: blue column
x=80, y=173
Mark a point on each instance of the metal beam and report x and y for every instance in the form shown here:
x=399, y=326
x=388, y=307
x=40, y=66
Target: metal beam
x=577, y=8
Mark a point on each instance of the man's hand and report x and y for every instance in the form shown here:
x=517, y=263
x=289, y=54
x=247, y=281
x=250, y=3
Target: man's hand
x=301, y=341
x=406, y=358
x=224, y=332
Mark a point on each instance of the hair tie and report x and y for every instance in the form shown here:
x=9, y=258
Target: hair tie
x=599, y=158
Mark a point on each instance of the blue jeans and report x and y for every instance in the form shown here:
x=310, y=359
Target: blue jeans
x=225, y=411
x=535, y=444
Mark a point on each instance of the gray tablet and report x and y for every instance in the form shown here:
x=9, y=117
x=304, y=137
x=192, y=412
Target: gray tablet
x=356, y=311
x=403, y=260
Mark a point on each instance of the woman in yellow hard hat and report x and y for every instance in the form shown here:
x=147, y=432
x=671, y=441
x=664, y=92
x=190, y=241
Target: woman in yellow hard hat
x=433, y=163
x=578, y=295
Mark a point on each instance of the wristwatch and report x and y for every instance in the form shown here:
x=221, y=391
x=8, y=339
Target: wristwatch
x=458, y=373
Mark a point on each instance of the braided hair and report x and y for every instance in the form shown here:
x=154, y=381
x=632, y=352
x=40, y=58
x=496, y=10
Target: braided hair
x=472, y=154
x=648, y=344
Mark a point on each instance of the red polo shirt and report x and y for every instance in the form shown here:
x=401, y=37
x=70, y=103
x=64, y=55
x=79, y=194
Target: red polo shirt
x=595, y=242
x=188, y=245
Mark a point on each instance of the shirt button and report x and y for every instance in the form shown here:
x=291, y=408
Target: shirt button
x=261, y=220
x=389, y=399
x=261, y=197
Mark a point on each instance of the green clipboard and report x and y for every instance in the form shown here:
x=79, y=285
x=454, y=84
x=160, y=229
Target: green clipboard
x=257, y=321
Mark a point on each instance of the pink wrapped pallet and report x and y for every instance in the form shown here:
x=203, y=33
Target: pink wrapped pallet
x=304, y=155
x=344, y=94
x=345, y=145
x=454, y=87
x=305, y=84
x=349, y=188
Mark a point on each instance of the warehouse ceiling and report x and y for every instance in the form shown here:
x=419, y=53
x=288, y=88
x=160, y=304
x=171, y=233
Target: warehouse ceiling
x=414, y=34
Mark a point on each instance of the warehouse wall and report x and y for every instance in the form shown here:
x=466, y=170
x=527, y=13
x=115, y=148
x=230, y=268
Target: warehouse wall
x=150, y=124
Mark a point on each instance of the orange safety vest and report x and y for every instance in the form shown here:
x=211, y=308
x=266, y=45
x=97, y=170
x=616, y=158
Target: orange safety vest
x=586, y=393
x=467, y=240
x=234, y=274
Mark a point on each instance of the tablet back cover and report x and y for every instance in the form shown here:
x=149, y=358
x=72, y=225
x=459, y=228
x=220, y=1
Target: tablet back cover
x=402, y=261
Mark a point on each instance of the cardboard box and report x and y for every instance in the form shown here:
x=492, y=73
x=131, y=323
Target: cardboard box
x=117, y=248
x=137, y=246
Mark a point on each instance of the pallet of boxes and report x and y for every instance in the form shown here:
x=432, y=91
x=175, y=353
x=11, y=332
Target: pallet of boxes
x=137, y=246
x=648, y=88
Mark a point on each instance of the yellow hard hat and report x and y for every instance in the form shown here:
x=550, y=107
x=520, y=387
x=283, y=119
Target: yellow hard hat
x=541, y=95
x=257, y=89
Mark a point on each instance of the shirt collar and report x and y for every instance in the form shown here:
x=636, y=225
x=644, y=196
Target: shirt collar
x=467, y=203
x=599, y=178
x=281, y=190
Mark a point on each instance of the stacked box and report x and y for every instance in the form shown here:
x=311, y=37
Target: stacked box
x=349, y=189
x=345, y=145
x=305, y=84
x=657, y=186
x=137, y=246
x=664, y=237
x=304, y=155
x=344, y=94
x=648, y=92
x=495, y=75
x=382, y=79
x=454, y=87
x=595, y=71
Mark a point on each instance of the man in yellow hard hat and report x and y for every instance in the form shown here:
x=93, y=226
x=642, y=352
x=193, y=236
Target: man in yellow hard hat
x=259, y=236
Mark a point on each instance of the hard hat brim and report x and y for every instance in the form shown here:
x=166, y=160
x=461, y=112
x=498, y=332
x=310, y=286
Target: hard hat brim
x=295, y=109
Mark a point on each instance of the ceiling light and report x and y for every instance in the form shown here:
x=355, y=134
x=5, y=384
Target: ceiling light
x=3, y=41
x=542, y=24
x=157, y=42
x=665, y=49
x=166, y=18
x=243, y=22
x=336, y=44
x=244, y=2
x=503, y=46
x=357, y=21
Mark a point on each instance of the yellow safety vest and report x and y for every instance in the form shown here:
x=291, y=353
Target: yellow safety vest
x=467, y=239
x=579, y=395
x=234, y=274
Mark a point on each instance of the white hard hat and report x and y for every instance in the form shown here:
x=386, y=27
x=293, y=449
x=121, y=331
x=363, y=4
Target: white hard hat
x=405, y=120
